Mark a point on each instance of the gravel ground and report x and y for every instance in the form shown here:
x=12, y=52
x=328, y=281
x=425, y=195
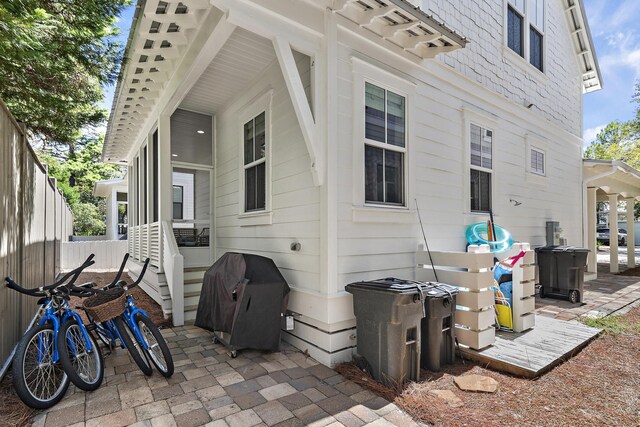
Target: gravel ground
x=599, y=386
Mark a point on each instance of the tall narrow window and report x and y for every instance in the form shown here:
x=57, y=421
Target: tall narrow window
x=144, y=185
x=156, y=175
x=178, y=202
x=137, y=190
x=535, y=48
x=514, y=31
x=385, y=146
x=481, y=168
x=255, y=164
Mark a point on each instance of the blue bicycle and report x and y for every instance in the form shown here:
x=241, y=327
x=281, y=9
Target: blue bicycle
x=135, y=330
x=58, y=348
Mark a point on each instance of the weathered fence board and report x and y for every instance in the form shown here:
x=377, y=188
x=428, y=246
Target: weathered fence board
x=34, y=219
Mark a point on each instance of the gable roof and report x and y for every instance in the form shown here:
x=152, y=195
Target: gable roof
x=583, y=45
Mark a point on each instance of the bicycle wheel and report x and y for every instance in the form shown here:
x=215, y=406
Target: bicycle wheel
x=157, y=350
x=84, y=368
x=132, y=345
x=40, y=383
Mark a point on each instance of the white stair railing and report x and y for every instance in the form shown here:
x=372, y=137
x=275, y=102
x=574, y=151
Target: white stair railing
x=173, y=263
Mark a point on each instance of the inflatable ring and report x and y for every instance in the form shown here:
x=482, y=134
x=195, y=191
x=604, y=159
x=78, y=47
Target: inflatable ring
x=477, y=235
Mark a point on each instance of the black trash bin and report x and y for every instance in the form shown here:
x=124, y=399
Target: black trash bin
x=561, y=272
x=402, y=325
x=388, y=318
x=438, y=327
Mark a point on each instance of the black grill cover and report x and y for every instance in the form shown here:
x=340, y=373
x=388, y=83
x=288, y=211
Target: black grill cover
x=245, y=296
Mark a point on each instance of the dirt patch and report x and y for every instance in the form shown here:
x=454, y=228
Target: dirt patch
x=599, y=386
x=142, y=300
x=630, y=272
x=12, y=411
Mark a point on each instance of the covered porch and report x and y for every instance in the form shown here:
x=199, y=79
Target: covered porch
x=610, y=181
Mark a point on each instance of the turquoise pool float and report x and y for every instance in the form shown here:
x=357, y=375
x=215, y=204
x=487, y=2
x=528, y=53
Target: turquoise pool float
x=477, y=235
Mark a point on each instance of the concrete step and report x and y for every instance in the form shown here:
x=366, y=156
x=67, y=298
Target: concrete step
x=190, y=313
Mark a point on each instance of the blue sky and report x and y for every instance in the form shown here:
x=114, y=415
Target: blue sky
x=616, y=33
x=615, y=28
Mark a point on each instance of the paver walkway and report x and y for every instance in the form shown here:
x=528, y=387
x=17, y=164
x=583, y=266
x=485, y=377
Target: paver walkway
x=210, y=388
x=604, y=295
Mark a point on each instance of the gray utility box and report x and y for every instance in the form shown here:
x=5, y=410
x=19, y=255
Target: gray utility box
x=438, y=339
x=395, y=318
x=561, y=271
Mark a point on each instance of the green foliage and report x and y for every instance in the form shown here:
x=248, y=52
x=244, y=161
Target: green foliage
x=55, y=56
x=77, y=171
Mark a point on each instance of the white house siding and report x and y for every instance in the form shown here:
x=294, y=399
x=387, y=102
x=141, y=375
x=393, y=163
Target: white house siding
x=438, y=177
x=294, y=198
x=556, y=95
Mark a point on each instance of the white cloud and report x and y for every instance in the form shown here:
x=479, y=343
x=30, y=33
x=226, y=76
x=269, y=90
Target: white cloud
x=589, y=135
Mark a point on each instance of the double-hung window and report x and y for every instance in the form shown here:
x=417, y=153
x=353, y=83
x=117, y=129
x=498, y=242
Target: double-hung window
x=385, y=146
x=525, y=30
x=255, y=163
x=481, y=162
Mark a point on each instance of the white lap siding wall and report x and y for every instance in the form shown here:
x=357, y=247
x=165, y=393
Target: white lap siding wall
x=381, y=242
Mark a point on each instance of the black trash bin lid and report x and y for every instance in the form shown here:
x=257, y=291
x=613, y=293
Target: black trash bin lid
x=572, y=249
x=401, y=286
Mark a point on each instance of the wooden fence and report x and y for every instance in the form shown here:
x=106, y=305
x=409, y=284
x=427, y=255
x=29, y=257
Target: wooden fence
x=34, y=220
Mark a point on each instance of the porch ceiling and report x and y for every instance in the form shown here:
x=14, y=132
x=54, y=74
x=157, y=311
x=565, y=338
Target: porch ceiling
x=240, y=62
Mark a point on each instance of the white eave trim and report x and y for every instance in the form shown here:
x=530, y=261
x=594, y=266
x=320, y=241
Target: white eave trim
x=583, y=45
x=404, y=25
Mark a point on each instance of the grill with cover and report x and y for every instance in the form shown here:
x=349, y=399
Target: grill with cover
x=243, y=300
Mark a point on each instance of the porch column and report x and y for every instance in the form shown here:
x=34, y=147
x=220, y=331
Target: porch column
x=613, y=233
x=631, y=244
x=165, y=187
x=592, y=258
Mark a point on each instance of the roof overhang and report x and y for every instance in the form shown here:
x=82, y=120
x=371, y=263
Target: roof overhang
x=403, y=24
x=583, y=45
x=105, y=187
x=612, y=177
x=160, y=35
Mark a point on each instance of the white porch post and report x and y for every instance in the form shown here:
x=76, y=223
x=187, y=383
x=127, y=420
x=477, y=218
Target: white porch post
x=592, y=258
x=631, y=244
x=613, y=233
x=165, y=184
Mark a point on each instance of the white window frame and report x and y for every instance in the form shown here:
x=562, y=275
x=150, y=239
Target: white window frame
x=259, y=104
x=524, y=62
x=542, y=172
x=537, y=143
x=489, y=123
x=365, y=72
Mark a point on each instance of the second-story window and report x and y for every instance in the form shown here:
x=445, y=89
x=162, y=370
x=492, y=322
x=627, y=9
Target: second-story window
x=525, y=30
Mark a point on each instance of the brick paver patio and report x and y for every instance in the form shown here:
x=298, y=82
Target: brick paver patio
x=210, y=388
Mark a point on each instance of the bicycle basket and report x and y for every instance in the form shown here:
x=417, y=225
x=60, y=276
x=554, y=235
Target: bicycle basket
x=103, y=307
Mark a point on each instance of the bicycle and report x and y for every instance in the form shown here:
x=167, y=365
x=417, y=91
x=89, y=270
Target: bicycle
x=58, y=349
x=134, y=328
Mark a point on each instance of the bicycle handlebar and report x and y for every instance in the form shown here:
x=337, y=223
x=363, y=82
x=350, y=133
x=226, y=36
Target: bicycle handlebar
x=117, y=278
x=41, y=290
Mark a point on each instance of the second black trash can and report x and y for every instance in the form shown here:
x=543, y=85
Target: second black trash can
x=561, y=271
x=402, y=325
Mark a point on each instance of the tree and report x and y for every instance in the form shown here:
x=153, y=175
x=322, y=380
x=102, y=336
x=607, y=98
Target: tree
x=77, y=171
x=55, y=56
x=620, y=141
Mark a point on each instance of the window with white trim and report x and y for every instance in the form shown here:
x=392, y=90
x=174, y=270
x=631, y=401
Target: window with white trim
x=385, y=146
x=255, y=163
x=537, y=162
x=481, y=164
x=525, y=30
